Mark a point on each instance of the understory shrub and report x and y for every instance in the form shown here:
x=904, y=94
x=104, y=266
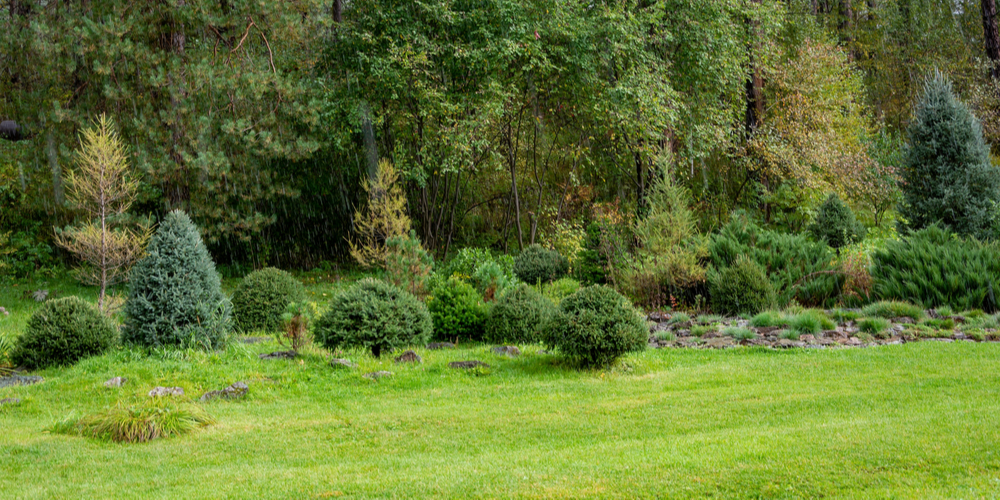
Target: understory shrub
x=61, y=332
x=797, y=268
x=374, y=315
x=518, y=316
x=536, y=264
x=491, y=275
x=591, y=266
x=491, y=280
x=153, y=418
x=836, y=225
x=890, y=309
x=261, y=297
x=457, y=310
x=740, y=288
x=595, y=326
x=934, y=268
x=408, y=265
x=560, y=289
x=175, y=296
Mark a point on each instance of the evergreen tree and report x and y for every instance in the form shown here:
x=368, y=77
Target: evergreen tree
x=947, y=177
x=836, y=225
x=175, y=295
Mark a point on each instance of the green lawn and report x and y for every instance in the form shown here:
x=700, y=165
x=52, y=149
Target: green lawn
x=912, y=421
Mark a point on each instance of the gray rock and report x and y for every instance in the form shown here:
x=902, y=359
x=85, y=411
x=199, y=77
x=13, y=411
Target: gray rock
x=906, y=320
x=409, y=357
x=279, y=355
x=377, y=375
x=255, y=340
x=467, y=364
x=507, y=350
x=166, y=391
x=20, y=380
x=658, y=316
x=234, y=391
x=720, y=342
x=115, y=382
x=10, y=401
x=4, y=311
x=342, y=363
x=440, y=345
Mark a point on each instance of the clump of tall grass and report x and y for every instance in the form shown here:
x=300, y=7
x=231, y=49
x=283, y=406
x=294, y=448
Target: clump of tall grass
x=890, y=309
x=139, y=422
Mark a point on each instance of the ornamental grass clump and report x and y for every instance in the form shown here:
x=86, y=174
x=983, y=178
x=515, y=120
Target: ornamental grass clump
x=595, y=326
x=261, y=298
x=154, y=418
x=890, y=309
x=767, y=319
x=374, y=315
x=62, y=332
x=175, y=295
x=876, y=327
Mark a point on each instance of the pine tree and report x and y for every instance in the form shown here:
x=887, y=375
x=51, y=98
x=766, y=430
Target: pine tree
x=836, y=225
x=947, y=176
x=175, y=295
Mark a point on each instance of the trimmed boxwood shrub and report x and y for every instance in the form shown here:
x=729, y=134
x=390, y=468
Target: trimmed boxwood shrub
x=539, y=264
x=62, y=332
x=261, y=298
x=374, y=315
x=457, y=310
x=742, y=288
x=595, y=326
x=175, y=296
x=518, y=316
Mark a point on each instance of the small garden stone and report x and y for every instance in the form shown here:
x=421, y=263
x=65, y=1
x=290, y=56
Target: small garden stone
x=166, y=391
x=409, y=357
x=115, y=382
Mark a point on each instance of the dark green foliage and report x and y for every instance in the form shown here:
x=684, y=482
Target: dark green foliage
x=595, y=326
x=740, y=288
x=797, y=268
x=374, y=315
x=560, y=289
x=260, y=299
x=590, y=266
x=877, y=327
x=62, y=332
x=175, y=295
x=934, y=268
x=948, y=177
x=518, y=316
x=836, y=225
x=539, y=264
x=408, y=265
x=809, y=322
x=767, y=319
x=458, y=311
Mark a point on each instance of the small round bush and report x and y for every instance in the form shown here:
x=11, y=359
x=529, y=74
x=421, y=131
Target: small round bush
x=457, y=310
x=518, y=316
x=62, y=332
x=741, y=288
x=261, y=298
x=539, y=264
x=374, y=315
x=595, y=326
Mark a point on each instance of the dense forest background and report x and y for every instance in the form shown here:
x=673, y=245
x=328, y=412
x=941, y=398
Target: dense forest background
x=512, y=122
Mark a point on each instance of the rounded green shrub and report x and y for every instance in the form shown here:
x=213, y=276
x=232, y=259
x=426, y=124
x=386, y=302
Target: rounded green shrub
x=457, y=310
x=62, y=332
x=374, y=315
x=261, y=298
x=836, y=225
x=175, y=295
x=539, y=264
x=595, y=326
x=518, y=316
x=741, y=288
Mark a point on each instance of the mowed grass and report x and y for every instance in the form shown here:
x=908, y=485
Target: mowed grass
x=910, y=421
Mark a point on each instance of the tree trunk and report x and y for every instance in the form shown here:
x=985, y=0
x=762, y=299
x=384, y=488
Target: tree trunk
x=512, y=164
x=53, y=155
x=847, y=27
x=990, y=35
x=338, y=11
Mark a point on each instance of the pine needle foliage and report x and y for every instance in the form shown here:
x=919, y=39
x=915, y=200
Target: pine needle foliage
x=948, y=177
x=374, y=315
x=175, y=295
x=799, y=269
x=104, y=189
x=519, y=316
x=740, y=288
x=63, y=331
x=384, y=217
x=595, y=326
x=261, y=298
x=935, y=268
x=408, y=265
x=836, y=225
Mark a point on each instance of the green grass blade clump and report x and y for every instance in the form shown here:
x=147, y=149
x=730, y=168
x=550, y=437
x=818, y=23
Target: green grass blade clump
x=138, y=423
x=890, y=309
x=739, y=333
x=767, y=319
x=878, y=327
